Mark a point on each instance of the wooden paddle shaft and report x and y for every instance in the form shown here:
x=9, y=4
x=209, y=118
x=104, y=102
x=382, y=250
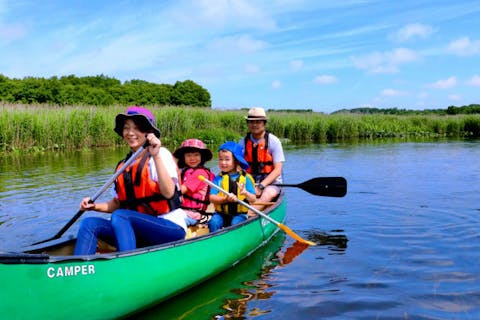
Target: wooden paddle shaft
x=97, y=194
x=260, y=213
x=118, y=173
x=102, y=190
x=213, y=185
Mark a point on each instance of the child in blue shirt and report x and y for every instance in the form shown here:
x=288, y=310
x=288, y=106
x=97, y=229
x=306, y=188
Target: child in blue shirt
x=234, y=179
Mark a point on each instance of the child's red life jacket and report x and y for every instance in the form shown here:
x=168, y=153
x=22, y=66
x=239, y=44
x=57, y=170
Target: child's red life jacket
x=196, y=201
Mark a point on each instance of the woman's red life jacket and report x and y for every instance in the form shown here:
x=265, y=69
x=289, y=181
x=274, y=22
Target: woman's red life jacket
x=196, y=201
x=137, y=191
x=258, y=157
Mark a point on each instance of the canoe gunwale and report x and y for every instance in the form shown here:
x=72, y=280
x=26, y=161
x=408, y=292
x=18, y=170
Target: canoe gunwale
x=24, y=258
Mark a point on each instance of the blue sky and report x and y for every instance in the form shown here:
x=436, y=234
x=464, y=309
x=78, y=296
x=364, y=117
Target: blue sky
x=311, y=54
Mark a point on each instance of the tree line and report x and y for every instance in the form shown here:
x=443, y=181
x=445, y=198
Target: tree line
x=451, y=110
x=101, y=90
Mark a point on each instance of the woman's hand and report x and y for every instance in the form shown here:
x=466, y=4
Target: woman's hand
x=155, y=144
x=87, y=204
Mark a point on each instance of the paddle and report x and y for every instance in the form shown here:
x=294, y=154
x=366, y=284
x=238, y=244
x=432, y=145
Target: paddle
x=322, y=186
x=260, y=213
x=98, y=194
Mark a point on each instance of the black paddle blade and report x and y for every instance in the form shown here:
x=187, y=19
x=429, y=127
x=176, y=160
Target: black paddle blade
x=322, y=186
x=65, y=228
x=325, y=186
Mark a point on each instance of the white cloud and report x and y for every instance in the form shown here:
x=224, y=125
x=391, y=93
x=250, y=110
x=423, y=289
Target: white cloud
x=277, y=84
x=423, y=95
x=393, y=93
x=325, y=79
x=238, y=44
x=252, y=68
x=126, y=53
x=413, y=30
x=296, y=65
x=234, y=14
x=11, y=32
x=401, y=55
x=474, y=81
x=444, y=84
x=464, y=47
x=421, y=98
x=385, y=62
x=454, y=97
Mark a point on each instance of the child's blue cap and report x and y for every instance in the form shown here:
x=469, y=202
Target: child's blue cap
x=237, y=152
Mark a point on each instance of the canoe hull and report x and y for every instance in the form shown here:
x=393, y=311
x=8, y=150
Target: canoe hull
x=118, y=284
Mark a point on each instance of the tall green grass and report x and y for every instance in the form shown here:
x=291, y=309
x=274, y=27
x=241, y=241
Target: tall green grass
x=40, y=127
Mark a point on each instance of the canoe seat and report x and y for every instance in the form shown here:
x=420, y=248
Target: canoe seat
x=197, y=230
x=105, y=247
x=192, y=231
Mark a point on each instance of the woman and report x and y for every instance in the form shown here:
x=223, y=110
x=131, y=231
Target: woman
x=146, y=208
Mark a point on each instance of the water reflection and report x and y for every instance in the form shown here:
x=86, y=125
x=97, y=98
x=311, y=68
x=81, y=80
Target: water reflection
x=237, y=293
x=335, y=240
x=259, y=289
x=263, y=288
x=226, y=295
x=292, y=252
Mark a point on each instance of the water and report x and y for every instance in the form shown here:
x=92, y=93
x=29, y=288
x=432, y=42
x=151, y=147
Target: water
x=403, y=244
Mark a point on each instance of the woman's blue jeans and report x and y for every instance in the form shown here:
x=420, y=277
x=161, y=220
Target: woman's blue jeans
x=220, y=220
x=126, y=228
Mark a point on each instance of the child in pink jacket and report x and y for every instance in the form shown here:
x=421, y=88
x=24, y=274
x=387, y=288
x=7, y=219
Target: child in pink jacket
x=191, y=157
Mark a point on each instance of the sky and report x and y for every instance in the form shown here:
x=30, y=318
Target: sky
x=285, y=54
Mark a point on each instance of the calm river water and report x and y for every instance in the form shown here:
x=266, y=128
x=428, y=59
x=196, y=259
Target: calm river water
x=403, y=244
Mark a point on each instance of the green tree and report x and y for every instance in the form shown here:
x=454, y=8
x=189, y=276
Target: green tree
x=189, y=93
x=100, y=90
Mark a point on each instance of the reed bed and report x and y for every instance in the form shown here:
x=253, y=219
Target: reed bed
x=40, y=127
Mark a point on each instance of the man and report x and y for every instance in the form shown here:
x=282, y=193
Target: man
x=264, y=153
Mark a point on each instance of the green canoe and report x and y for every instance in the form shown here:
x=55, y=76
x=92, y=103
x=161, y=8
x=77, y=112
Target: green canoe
x=47, y=282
